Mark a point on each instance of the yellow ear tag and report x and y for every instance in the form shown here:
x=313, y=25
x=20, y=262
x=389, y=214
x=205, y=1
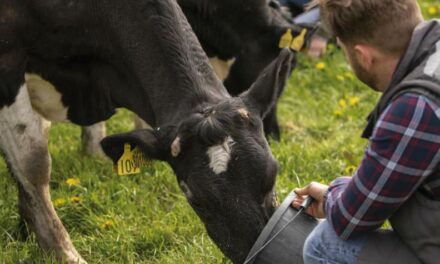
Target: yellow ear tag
x=286, y=39
x=126, y=164
x=298, y=42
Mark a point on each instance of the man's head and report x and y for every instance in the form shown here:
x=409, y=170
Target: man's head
x=373, y=33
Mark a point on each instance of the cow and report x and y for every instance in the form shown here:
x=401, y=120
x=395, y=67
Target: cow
x=95, y=56
x=240, y=38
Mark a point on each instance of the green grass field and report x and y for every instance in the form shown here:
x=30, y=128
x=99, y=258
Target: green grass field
x=145, y=218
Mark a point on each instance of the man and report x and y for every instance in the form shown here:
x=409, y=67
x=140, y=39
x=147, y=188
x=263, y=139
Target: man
x=392, y=50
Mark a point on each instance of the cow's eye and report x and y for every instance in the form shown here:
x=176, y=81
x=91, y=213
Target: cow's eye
x=253, y=121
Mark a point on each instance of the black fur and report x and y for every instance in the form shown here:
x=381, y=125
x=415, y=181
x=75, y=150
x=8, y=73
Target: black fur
x=246, y=30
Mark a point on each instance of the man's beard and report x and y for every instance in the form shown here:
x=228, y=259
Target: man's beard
x=368, y=78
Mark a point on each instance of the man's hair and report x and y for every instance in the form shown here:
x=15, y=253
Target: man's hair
x=384, y=24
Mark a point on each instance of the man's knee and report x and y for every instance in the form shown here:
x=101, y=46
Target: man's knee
x=324, y=246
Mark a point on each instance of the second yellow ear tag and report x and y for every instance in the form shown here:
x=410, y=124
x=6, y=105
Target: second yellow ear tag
x=126, y=164
x=286, y=39
x=298, y=42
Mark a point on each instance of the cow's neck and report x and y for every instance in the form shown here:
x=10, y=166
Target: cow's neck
x=166, y=63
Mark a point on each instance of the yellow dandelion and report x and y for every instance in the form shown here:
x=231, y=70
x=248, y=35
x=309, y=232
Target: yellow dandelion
x=75, y=199
x=432, y=10
x=349, y=170
x=320, y=66
x=354, y=100
x=59, y=202
x=107, y=224
x=340, y=77
x=342, y=103
x=73, y=181
x=337, y=113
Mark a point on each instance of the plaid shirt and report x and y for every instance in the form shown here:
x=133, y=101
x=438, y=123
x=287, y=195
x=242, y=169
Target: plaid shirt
x=403, y=156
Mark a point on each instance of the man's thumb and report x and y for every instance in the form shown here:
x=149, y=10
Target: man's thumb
x=302, y=191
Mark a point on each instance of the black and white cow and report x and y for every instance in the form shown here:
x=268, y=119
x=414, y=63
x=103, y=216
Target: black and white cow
x=86, y=58
x=240, y=38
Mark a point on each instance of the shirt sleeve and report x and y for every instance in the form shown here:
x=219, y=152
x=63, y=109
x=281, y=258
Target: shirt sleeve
x=402, y=152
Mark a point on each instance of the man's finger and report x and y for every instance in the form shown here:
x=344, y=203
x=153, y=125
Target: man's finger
x=296, y=201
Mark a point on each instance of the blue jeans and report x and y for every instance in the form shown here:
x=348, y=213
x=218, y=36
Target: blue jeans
x=323, y=246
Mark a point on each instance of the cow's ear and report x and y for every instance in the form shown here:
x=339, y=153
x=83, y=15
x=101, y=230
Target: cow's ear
x=153, y=143
x=264, y=92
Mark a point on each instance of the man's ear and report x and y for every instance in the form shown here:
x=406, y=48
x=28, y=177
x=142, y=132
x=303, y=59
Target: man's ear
x=264, y=92
x=152, y=143
x=364, y=55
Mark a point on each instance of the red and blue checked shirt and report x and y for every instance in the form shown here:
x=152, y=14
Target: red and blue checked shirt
x=403, y=156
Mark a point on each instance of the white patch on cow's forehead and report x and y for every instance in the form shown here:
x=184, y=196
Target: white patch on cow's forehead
x=220, y=155
x=432, y=67
x=186, y=190
x=45, y=99
x=221, y=68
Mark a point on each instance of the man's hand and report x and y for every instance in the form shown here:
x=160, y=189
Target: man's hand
x=317, y=191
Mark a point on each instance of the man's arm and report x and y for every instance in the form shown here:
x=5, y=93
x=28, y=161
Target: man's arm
x=403, y=152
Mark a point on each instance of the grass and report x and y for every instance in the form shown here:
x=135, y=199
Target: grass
x=145, y=218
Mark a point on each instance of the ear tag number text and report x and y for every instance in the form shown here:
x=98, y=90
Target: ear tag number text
x=129, y=162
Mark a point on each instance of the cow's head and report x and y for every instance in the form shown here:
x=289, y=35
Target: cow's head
x=222, y=160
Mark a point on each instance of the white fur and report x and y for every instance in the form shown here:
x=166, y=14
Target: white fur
x=221, y=68
x=220, y=155
x=45, y=99
x=16, y=145
x=91, y=137
x=23, y=140
x=432, y=67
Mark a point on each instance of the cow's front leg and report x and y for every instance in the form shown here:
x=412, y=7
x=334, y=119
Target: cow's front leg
x=91, y=137
x=23, y=141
